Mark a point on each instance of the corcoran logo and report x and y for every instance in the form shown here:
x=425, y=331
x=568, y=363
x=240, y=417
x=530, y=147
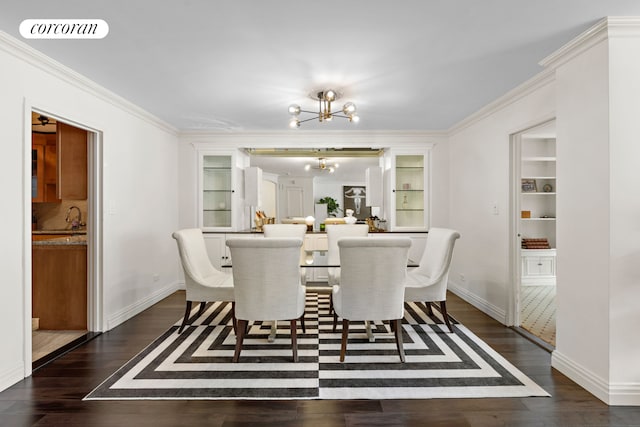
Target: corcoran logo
x=64, y=29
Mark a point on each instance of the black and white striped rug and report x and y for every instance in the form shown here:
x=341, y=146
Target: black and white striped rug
x=197, y=363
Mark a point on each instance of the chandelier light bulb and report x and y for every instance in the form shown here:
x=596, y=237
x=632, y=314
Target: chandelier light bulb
x=354, y=118
x=330, y=95
x=294, y=109
x=349, y=108
x=331, y=169
x=307, y=167
x=294, y=123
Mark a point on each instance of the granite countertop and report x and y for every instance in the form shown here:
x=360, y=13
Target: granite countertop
x=62, y=240
x=63, y=232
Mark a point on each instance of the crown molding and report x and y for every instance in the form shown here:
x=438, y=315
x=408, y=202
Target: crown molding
x=538, y=81
x=316, y=139
x=39, y=60
x=609, y=27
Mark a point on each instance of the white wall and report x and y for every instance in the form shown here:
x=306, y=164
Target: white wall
x=479, y=177
x=599, y=250
x=140, y=193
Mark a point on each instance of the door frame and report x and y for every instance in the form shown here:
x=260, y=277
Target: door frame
x=95, y=301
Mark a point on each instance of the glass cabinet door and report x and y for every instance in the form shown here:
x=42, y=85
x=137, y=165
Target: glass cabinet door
x=410, y=193
x=217, y=191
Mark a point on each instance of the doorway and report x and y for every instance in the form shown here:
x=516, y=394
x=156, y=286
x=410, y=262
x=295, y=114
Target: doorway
x=62, y=296
x=534, y=228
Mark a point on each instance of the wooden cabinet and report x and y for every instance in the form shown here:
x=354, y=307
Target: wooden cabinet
x=59, y=165
x=59, y=275
x=44, y=168
x=72, y=162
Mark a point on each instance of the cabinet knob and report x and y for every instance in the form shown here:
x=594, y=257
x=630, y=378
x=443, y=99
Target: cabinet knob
x=540, y=263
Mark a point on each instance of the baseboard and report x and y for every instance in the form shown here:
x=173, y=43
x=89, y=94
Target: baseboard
x=627, y=394
x=11, y=376
x=139, y=306
x=482, y=305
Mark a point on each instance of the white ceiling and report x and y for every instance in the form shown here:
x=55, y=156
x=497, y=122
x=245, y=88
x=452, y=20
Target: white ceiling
x=237, y=65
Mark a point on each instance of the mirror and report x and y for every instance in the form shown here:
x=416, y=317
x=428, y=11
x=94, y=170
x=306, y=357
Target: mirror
x=290, y=164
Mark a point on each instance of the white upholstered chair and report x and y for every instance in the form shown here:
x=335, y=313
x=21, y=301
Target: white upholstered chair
x=288, y=230
x=372, y=281
x=428, y=282
x=266, y=276
x=203, y=281
x=334, y=233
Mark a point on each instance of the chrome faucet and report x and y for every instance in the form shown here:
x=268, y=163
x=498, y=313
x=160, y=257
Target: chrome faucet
x=77, y=222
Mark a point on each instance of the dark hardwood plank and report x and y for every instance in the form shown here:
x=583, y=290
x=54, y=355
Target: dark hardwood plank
x=53, y=395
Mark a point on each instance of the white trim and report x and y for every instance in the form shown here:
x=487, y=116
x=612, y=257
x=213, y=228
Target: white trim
x=610, y=393
x=612, y=26
x=139, y=306
x=11, y=376
x=33, y=57
x=295, y=139
x=535, y=83
x=489, y=309
x=580, y=375
x=627, y=394
x=27, y=345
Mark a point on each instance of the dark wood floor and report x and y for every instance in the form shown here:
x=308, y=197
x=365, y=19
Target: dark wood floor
x=53, y=395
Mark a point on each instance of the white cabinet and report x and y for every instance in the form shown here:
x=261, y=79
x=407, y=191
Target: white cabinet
x=217, y=249
x=539, y=267
x=407, y=177
x=319, y=245
x=219, y=202
x=537, y=222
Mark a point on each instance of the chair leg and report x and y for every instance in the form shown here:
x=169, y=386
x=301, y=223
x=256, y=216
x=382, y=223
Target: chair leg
x=443, y=309
x=345, y=334
x=304, y=331
x=429, y=310
x=330, y=303
x=202, y=306
x=187, y=310
x=294, y=341
x=335, y=321
x=242, y=328
x=397, y=326
x=234, y=321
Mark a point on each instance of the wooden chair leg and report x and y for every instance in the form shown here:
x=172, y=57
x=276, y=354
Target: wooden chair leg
x=429, y=310
x=294, y=341
x=335, y=321
x=234, y=321
x=397, y=326
x=304, y=330
x=187, y=310
x=202, y=306
x=242, y=328
x=330, y=303
x=345, y=335
x=443, y=309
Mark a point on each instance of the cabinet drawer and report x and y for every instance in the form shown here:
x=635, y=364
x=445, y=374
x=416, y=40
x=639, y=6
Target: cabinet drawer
x=538, y=266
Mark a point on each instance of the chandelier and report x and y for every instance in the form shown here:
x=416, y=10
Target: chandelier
x=322, y=166
x=324, y=113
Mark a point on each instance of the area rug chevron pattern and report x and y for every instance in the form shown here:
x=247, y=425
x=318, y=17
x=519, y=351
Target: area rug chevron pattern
x=197, y=363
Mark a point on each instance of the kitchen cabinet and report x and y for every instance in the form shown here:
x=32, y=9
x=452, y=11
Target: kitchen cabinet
x=407, y=176
x=71, y=143
x=44, y=168
x=59, y=277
